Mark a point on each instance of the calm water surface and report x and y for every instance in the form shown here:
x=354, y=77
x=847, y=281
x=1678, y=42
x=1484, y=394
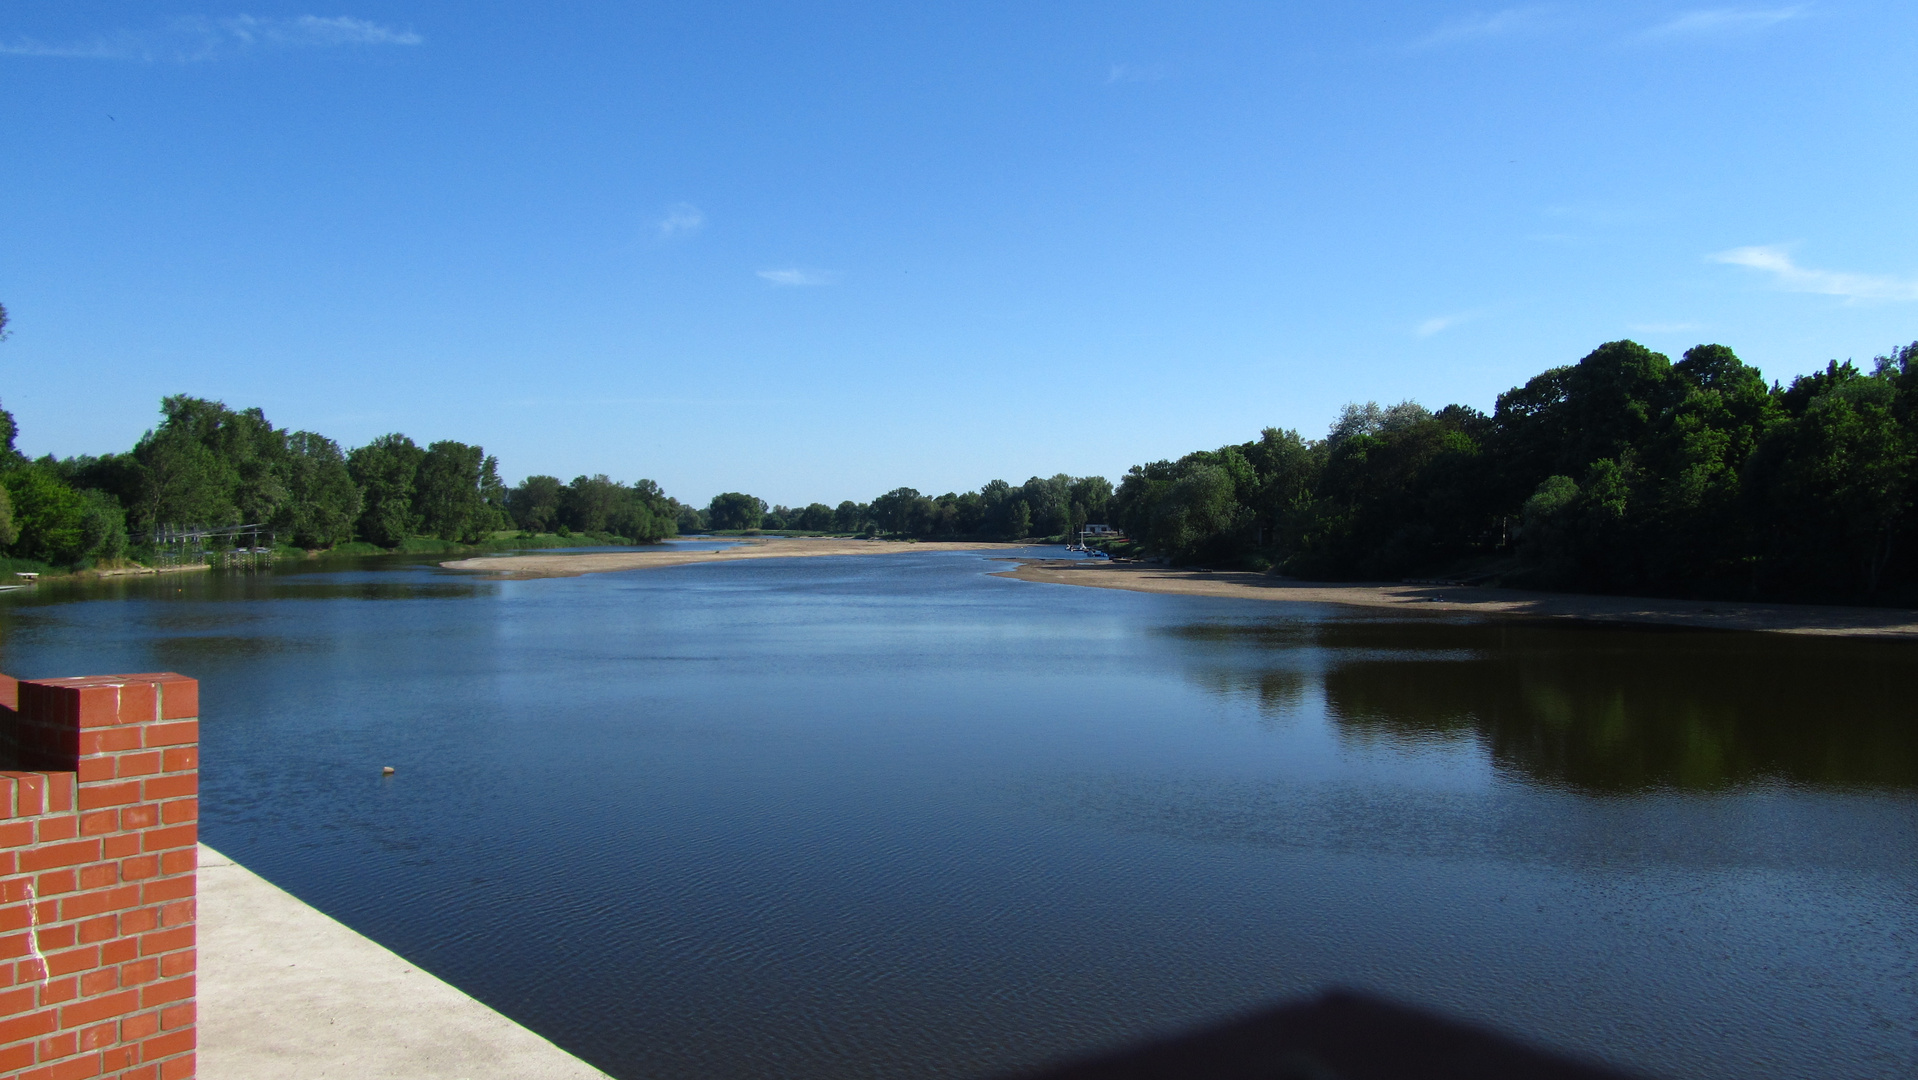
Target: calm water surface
x=893, y=816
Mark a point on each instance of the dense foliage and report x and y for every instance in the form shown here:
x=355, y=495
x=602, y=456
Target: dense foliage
x=595, y=504
x=1041, y=507
x=208, y=466
x=1625, y=472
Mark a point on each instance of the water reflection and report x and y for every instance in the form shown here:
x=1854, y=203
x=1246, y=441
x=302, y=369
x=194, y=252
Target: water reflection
x=378, y=577
x=1596, y=707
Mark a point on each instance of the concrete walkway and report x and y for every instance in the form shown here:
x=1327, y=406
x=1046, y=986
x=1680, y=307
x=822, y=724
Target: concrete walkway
x=286, y=992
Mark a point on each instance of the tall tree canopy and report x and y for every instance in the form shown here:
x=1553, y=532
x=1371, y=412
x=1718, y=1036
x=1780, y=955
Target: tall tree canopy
x=1624, y=472
x=735, y=510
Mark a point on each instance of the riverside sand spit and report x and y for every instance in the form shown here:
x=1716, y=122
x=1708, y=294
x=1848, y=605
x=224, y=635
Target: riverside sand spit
x=764, y=547
x=1889, y=623
x=1778, y=618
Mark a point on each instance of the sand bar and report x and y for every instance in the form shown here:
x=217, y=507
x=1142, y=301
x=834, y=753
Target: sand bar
x=758, y=547
x=1894, y=623
x=1891, y=623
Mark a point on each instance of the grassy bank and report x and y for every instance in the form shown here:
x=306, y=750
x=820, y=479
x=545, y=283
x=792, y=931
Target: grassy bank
x=503, y=540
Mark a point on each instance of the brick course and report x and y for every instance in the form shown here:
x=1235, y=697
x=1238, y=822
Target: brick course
x=99, y=811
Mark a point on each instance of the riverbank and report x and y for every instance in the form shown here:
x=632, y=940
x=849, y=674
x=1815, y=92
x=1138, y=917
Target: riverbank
x=770, y=547
x=15, y=580
x=1892, y=623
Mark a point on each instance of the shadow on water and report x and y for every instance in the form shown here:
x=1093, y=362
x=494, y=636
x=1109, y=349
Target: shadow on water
x=1598, y=708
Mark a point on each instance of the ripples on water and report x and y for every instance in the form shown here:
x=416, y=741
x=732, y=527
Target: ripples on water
x=891, y=816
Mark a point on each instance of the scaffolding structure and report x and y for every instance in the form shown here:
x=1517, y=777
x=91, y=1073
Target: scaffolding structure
x=235, y=547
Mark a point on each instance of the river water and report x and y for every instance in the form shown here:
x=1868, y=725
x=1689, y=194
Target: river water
x=892, y=816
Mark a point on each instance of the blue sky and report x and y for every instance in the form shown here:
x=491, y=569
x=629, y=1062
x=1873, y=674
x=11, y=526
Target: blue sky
x=817, y=251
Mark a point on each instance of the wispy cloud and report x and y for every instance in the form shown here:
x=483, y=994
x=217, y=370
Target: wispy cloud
x=681, y=218
x=315, y=30
x=797, y=276
x=1511, y=21
x=1723, y=21
x=1794, y=278
x=1444, y=322
x=112, y=47
x=1124, y=73
x=196, y=38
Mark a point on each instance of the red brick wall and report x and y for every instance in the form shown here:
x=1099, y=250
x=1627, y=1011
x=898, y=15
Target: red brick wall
x=97, y=854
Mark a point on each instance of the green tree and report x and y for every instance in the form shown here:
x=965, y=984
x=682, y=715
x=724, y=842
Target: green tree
x=904, y=512
x=534, y=503
x=1689, y=514
x=1091, y=500
x=589, y=503
x=385, y=470
x=8, y=531
x=815, y=517
x=646, y=516
x=322, y=500
x=1288, y=470
x=1396, y=492
x=1049, y=500
x=49, y=517
x=183, y=483
x=1547, y=540
x=207, y=464
x=103, y=526
x=1562, y=421
x=735, y=510
x=1837, y=484
x=1189, y=509
x=1019, y=520
x=450, y=490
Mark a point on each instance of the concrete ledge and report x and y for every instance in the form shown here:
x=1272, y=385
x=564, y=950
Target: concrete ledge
x=287, y=992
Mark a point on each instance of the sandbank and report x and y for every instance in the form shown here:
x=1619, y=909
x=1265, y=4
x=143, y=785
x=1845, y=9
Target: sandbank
x=1889, y=623
x=760, y=547
x=1893, y=623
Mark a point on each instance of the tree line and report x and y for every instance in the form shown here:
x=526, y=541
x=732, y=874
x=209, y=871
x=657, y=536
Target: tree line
x=1622, y=473
x=209, y=466
x=1041, y=507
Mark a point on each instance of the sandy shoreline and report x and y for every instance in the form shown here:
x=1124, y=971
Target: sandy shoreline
x=1890, y=623
x=1886, y=623
x=768, y=547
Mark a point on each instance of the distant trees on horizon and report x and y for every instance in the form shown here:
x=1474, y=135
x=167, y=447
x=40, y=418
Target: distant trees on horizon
x=1041, y=507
